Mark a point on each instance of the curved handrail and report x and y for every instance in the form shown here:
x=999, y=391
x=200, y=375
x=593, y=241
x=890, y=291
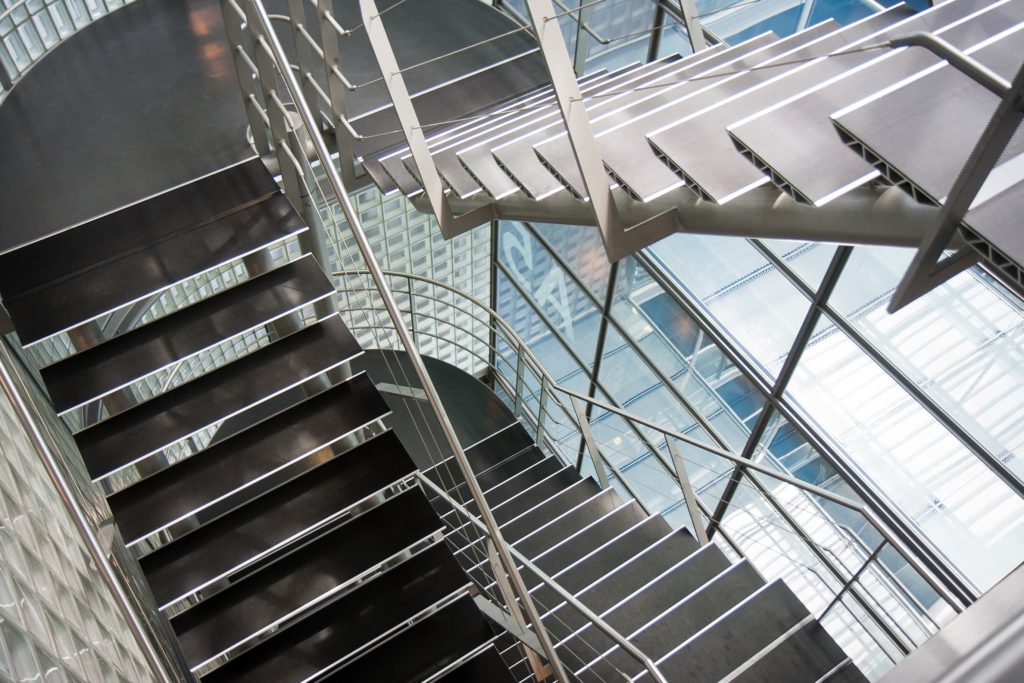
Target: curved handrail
x=554, y=387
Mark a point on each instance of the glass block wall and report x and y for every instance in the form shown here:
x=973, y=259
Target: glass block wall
x=408, y=241
x=57, y=620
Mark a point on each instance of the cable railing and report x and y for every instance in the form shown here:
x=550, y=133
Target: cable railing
x=282, y=122
x=859, y=582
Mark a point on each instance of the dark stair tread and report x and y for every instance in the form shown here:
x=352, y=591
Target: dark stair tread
x=609, y=556
x=134, y=226
x=570, y=523
x=550, y=509
x=702, y=605
x=483, y=456
x=145, y=350
x=666, y=626
x=160, y=422
x=849, y=673
x=323, y=638
x=211, y=552
x=590, y=539
x=86, y=295
x=229, y=465
x=526, y=478
x=424, y=649
x=730, y=641
x=661, y=575
x=487, y=667
x=529, y=498
x=509, y=468
x=804, y=657
x=265, y=598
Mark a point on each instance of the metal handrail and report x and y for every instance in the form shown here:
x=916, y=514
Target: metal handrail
x=550, y=385
x=265, y=38
x=69, y=499
x=571, y=599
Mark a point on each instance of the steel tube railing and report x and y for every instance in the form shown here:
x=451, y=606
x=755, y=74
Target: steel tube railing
x=309, y=123
x=161, y=668
x=550, y=391
x=571, y=599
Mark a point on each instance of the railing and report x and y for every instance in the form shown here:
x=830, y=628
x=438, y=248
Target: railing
x=833, y=551
x=31, y=28
x=283, y=122
x=114, y=563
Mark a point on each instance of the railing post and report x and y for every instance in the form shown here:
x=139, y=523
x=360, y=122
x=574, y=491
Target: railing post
x=542, y=410
x=540, y=670
x=588, y=439
x=517, y=408
x=688, y=494
x=233, y=18
x=336, y=90
x=276, y=54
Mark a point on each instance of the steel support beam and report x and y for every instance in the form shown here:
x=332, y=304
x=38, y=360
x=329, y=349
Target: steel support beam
x=885, y=217
x=433, y=187
x=803, y=336
x=929, y=269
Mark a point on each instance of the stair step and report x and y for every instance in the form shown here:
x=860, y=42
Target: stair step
x=482, y=456
x=590, y=539
x=150, y=427
x=509, y=468
x=312, y=573
x=249, y=533
x=204, y=484
x=729, y=641
x=134, y=227
x=572, y=522
x=529, y=498
x=648, y=580
x=75, y=300
x=607, y=557
x=804, y=657
x=424, y=649
x=349, y=623
x=846, y=673
x=485, y=666
x=504, y=491
x=117, y=363
x=644, y=112
x=550, y=509
x=690, y=599
x=699, y=607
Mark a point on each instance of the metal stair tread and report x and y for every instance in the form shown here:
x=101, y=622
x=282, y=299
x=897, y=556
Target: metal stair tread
x=231, y=465
x=732, y=174
x=485, y=666
x=423, y=649
x=149, y=427
x=832, y=169
x=312, y=573
x=729, y=641
x=804, y=656
x=350, y=622
x=530, y=497
x=88, y=295
x=81, y=247
x=572, y=522
x=272, y=519
x=180, y=335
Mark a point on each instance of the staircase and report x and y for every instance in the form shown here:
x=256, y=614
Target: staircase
x=828, y=113
x=274, y=517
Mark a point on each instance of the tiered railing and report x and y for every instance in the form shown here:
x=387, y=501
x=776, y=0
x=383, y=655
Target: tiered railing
x=284, y=124
x=835, y=552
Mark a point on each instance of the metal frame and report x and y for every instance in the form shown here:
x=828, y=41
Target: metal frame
x=929, y=269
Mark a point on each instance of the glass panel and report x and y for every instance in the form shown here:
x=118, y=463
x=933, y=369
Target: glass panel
x=957, y=502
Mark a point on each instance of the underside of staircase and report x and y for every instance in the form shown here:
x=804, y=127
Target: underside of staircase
x=803, y=137
x=277, y=518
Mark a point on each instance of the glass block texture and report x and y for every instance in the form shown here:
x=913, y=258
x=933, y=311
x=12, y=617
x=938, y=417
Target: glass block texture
x=58, y=621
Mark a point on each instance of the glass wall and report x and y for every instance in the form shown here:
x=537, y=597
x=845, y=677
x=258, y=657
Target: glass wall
x=57, y=619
